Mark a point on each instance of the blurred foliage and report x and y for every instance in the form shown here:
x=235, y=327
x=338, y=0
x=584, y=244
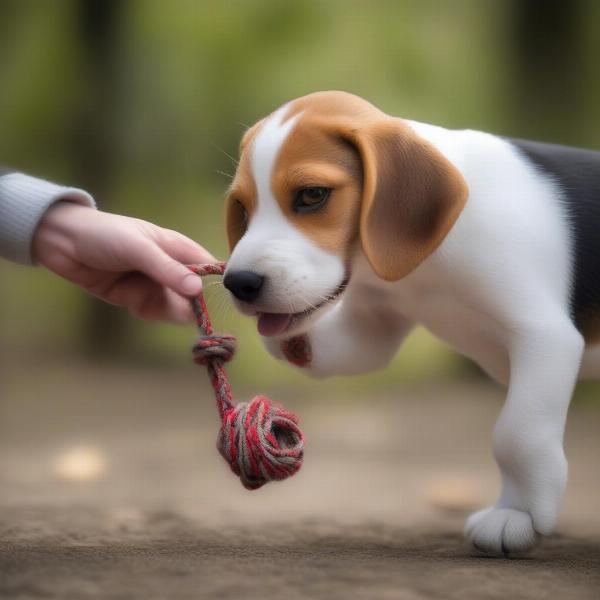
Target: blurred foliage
x=189, y=76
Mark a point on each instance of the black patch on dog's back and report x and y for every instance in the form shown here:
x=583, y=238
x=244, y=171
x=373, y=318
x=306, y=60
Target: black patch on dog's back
x=578, y=174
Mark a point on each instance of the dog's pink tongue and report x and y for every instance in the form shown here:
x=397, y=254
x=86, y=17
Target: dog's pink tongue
x=273, y=323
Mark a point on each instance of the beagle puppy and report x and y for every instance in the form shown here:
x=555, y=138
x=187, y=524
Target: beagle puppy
x=351, y=226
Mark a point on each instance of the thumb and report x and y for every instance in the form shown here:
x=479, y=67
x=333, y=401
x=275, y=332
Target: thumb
x=159, y=266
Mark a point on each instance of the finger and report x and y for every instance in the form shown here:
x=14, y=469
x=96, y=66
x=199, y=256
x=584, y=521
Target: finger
x=147, y=299
x=176, y=308
x=164, y=305
x=182, y=248
x=154, y=262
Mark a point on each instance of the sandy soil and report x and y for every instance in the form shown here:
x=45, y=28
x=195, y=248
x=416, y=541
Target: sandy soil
x=376, y=511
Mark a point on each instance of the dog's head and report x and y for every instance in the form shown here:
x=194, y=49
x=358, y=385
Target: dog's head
x=319, y=179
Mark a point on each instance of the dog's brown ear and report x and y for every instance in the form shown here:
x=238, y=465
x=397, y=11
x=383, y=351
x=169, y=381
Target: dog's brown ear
x=412, y=195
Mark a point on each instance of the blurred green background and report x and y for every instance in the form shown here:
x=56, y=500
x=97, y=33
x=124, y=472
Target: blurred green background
x=143, y=103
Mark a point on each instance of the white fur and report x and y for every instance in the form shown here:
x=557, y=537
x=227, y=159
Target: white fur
x=497, y=290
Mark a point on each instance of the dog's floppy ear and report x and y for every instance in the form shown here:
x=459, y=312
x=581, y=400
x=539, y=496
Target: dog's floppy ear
x=412, y=195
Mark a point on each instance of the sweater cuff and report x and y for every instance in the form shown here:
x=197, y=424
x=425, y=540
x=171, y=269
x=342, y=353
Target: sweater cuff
x=23, y=202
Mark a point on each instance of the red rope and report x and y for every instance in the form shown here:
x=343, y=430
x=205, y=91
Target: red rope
x=260, y=440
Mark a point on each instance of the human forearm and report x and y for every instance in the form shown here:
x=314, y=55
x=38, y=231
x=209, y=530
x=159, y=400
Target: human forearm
x=23, y=202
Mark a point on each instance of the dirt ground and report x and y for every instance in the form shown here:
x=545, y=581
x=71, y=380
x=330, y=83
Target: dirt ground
x=375, y=513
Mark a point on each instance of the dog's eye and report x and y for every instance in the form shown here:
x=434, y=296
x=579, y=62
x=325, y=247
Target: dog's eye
x=310, y=199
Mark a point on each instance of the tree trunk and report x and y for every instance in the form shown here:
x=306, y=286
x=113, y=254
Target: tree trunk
x=95, y=143
x=547, y=69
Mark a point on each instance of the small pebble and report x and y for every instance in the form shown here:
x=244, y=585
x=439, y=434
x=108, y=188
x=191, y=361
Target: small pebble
x=83, y=463
x=453, y=494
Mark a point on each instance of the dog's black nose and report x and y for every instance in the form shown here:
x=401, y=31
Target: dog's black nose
x=244, y=285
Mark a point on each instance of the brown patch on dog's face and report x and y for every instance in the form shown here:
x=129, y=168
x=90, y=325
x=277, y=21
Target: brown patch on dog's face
x=311, y=157
x=241, y=199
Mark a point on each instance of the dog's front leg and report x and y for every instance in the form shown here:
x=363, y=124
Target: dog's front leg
x=357, y=336
x=528, y=440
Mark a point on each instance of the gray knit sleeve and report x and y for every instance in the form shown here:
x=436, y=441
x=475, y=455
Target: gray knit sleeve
x=23, y=202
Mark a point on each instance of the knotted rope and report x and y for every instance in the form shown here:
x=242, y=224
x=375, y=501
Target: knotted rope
x=260, y=440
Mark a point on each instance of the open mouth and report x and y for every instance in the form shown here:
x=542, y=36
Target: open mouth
x=271, y=324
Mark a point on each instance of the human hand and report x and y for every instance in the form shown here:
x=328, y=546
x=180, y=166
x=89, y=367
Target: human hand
x=122, y=260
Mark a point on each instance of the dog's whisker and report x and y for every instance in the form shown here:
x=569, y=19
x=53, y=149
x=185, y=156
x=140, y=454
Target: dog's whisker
x=234, y=160
x=310, y=305
x=219, y=306
x=320, y=298
x=225, y=309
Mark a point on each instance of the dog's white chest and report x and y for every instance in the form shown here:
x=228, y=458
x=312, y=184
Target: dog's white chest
x=454, y=317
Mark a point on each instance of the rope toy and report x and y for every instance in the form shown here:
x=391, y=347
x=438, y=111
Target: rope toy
x=260, y=440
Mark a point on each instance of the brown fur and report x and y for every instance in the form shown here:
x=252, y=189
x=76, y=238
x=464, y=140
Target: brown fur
x=242, y=194
x=310, y=157
x=412, y=197
x=588, y=323
x=391, y=189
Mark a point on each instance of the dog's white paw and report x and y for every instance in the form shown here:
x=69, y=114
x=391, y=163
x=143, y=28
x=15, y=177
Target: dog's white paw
x=501, y=531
